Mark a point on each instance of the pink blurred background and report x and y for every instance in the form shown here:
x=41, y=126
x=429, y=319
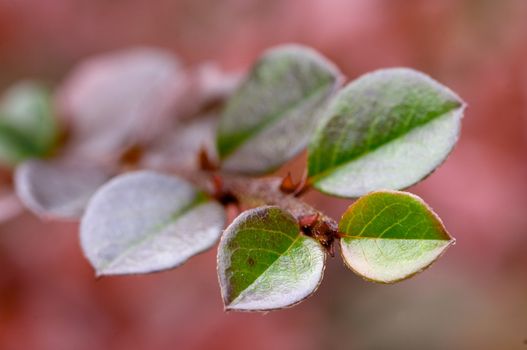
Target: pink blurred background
x=475, y=297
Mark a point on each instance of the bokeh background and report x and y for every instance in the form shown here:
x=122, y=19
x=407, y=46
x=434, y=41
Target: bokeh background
x=475, y=297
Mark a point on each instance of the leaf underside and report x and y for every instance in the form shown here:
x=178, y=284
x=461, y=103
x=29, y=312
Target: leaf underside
x=265, y=263
x=388, y=236
x=144, y=222
x=387, y=129
x=178, y=148
x=118, y=99
x=59, y=188
x=270, y=117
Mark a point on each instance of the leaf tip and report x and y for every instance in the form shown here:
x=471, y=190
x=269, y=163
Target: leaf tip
x=230, y=306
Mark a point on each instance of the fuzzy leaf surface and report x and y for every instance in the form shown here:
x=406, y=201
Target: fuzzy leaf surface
x=265, y=263
x=59, y=188
x=270, y=117
x=118, y=99
x=144, y=222
x=387, y=129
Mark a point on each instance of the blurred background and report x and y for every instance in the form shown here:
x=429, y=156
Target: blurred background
x=474, y=297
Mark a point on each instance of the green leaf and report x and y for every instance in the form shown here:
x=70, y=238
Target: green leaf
x=387, y=129
x=27, y=123
x=388, y=236
x=144, y=222
x=265, y=263
x=270, y=117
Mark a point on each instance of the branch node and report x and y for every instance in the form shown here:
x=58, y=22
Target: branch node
x=315, y=226
x=308, y=221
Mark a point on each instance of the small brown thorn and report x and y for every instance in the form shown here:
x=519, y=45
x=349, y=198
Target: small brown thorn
x=302, y=186
x=132, y=156
x=287, y=185
x=205, y=163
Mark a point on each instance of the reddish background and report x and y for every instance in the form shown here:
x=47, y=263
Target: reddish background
x=475, y=297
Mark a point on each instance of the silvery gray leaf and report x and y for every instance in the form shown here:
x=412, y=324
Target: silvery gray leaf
x=59, y=188
x=118, y=99
x=144, y=222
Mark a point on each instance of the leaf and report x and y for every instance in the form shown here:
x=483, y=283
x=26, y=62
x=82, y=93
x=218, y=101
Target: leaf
x=119, y=99
x=178, y=149
x=387, y=129
x=388, y=236
x=265, y=263
x=145, y=222
x=27, y=123
x=270, y=117
x=59, y=188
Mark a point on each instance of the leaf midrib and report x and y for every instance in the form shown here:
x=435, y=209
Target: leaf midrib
x=293, y=242
x=268, y=120
x=25, y=147
x=344, y=163
x=395, y=238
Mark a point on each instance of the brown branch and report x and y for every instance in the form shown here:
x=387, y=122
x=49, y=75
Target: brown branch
x=254, y=192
